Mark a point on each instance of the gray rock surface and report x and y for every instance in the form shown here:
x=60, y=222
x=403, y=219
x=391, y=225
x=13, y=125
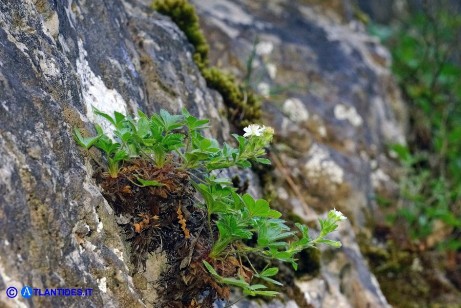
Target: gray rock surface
x=335, y=108
x=57, y=58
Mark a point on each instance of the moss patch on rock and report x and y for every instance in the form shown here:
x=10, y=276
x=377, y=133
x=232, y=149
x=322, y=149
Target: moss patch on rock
x=244, y=106
x=184, y=16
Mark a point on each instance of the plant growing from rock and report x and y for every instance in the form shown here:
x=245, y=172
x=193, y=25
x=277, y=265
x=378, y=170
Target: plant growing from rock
x=160, y=179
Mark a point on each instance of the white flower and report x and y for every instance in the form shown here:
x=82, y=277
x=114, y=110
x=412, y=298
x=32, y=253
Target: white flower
x=253, y=130
x=264, y=48
x=337, y=215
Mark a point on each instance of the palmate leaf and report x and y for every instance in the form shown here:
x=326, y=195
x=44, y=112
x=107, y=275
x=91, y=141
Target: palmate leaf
x=167, y=120
x=230, y=227
x=284, y=256
x=259, y=208
x=272, y=232
x=305, y=241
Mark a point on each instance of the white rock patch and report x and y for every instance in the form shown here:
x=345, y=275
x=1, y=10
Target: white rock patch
x=51, y=25
x=102, y=284
x=320, y=165
x=295, y=110
x=264, y=89
x=99, y=227
x=343, y=112
x=95, y=93
x=271, y=70
x=264, y=48
x=377, y=177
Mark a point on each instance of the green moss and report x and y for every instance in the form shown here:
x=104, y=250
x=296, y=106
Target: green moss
x=184, y=16
x=244, y=106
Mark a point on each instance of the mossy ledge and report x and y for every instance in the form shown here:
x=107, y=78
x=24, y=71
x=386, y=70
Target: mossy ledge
x=244, y=106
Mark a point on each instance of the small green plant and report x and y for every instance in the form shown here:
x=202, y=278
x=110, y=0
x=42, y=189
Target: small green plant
x=240, y=226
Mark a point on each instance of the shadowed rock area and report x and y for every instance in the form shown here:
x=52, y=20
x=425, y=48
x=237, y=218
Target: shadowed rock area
x=332, y=104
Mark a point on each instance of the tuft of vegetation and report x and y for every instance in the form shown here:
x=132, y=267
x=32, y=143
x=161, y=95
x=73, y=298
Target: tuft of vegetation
x=158, y=175
x=243, y=104
x=184, y=16
x=428, y=68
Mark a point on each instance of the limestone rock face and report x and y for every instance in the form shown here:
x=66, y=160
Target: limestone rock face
x=335, y=108
x=57, y=59
x=332, y=102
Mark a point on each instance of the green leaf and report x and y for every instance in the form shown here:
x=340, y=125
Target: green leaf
x=119, y=118
x=269, y=272
x=263, y=161
x=271, y=232
x=230, y=227
x=210, y=269
x=255, y=287
x=241, y=141
x=262, y=293
x=335, y=244
x=107, y=145
x=192, y=122
x=87, y=142
x=167, y=120
x=243, y=164
x=120, y=155
x=259, y=208
x=146, y=183
x=241, y=283
x=273, y=281
x=105, y=116
x=221, y=181
x=143, y=130
x=204, y=191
